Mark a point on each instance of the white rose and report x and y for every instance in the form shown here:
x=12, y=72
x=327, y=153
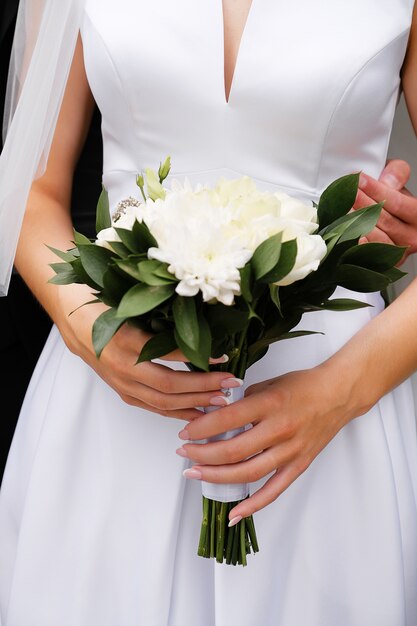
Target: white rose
x=105, y=236
x=311, y=249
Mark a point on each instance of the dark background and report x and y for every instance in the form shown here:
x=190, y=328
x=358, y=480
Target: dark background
x=24, y=326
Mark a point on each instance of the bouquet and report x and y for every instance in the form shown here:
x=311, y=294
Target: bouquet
x=228, y=269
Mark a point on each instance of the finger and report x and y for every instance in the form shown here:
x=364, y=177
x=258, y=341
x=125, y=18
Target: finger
x=236, y=415
x=397, y=231
x=185, y=414
x=378, y=236
x=167, y=380
x=248, y=471
x=401, y=205
x=396, y=174
x=269, y=492
x=362, y=200
x=172, y=401
x=239, y=448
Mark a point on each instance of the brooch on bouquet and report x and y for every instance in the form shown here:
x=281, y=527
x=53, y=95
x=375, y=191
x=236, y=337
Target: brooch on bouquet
x=225, y=269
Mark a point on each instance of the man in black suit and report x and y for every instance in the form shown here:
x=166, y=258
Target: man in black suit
x=24, y=326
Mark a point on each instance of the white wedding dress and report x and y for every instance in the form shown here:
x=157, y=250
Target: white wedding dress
x=98, y=527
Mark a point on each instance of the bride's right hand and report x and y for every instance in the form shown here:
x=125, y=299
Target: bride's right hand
x=148, y=385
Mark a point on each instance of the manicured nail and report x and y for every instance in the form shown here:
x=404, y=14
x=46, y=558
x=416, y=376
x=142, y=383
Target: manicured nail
x=231, y=383
x=362, y=181
x=219, y=401
x=220, y=359
x=363, y=240
x=192, y=473
x=234, y=521
x=182, y=452
x=184, y=434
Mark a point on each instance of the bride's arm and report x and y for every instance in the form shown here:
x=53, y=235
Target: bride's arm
x=48, y=221
x=296, y=415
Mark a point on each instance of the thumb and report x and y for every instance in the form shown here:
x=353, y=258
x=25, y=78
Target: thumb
x=395, y=174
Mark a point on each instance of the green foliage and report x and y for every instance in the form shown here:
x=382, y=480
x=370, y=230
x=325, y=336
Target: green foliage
x=337, y=199
x=158, y=346
x=105, y=327
x=103, y=218
x=143, y=298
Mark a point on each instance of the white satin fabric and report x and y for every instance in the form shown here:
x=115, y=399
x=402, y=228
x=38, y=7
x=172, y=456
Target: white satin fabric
x=97, y=524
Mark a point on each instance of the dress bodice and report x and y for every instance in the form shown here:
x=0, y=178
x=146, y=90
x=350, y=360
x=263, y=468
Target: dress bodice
x=313, y=95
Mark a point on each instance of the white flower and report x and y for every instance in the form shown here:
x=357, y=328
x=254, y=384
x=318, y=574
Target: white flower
x=193, y=239
x=205, y=235
x=311, y=249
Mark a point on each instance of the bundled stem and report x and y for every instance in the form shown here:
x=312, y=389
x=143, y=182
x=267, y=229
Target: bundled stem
x=217, y=540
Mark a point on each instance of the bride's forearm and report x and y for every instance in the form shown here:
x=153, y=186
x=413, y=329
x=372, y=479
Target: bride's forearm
x=47, y=223
x=380, y=356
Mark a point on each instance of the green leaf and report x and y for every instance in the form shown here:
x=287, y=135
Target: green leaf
x=376, y=256
x=285, y=264
x=115, y=285
x=64, y=278
x=82, y=240
x=200, y=357
x=130, y=267
x=337, y=199
x=83, y=277
x=143, y=237
x=354, y=225
x=186, y=321
x=95, y=261
x=163, y=272
x=266, y=256
x=61, y=268
x=142, y=298
x=394, y=274
x=274, y=293
x=245, y=282
x=148, y=273
x=340, y=304
x=360, y=278
x=158, y=346
x=104, y=328
x=67, y=256
x=103, y=218
x=119, y=248
x=226, y=320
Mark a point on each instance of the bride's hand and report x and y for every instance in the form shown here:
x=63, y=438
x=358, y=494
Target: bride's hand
x=398, y=221
x=148, y=385
x=294, y=417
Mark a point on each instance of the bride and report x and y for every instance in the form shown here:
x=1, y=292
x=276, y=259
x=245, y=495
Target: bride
x=98, y=524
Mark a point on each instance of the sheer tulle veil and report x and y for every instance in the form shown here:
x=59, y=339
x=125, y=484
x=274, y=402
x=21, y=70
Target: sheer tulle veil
x=44, y=43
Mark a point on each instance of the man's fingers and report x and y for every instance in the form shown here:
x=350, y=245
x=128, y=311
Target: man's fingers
x=395, y=202
x=396, y=174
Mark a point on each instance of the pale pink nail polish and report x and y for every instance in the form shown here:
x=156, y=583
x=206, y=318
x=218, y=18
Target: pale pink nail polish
x=184, y=434
x=362, y=181
x=220, y=359
x=231, y=383
x=235, y=520
x=192, y=473
x=182, y=452
x=219, y=401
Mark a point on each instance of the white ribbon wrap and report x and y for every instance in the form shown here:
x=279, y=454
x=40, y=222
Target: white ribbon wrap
x=226, y=492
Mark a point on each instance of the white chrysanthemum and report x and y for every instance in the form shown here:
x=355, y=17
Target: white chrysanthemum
x=206, y=235
x=193, y=239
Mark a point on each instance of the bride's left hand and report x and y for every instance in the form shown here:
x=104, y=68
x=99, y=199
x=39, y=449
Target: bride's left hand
x=294, y=417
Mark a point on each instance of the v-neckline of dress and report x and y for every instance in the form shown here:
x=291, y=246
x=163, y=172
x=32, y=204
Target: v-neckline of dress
x=228, y=95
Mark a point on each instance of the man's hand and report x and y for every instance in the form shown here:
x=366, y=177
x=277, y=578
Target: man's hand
x=398, y=221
